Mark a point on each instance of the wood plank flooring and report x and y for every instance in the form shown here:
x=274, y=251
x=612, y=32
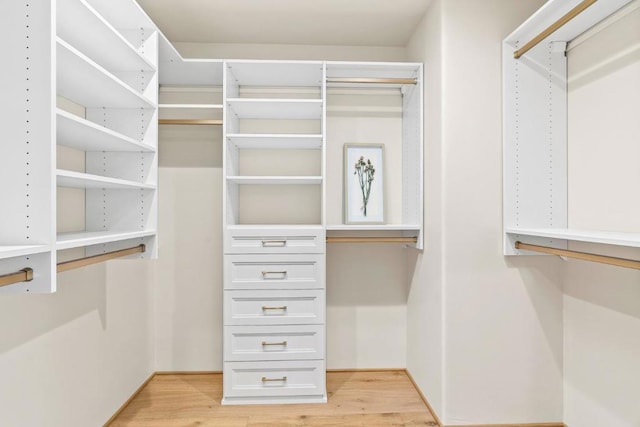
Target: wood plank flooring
x=379, y=398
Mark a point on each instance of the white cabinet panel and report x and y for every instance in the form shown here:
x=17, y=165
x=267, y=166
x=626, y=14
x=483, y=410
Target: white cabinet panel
x=247, y=240
x=274, y=271
x=274, y=307
x=291, y=342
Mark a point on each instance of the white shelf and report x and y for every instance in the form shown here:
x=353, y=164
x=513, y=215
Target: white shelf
x=190, y=106
x=72, y=179
x=269, y=108
x=88, y=238
x=373, y=227
x=275, y=180
x=276, y=141
x=75, y=132
x=591, y=236
x=276, y=73
x=22, y=250
x=274, y=227
x=82, y=27
x=83, y=81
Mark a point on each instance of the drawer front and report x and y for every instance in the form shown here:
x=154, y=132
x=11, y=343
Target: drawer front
x=274, y=241
x=292, y=342
x=274, y=271
x=274, y=379
x=276, y=307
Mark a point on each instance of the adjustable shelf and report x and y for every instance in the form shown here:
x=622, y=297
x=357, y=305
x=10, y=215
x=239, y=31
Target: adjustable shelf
x=83, y=81
x=374, y=227
x=81, y=134
x=276, y=141
x=22, y=250
x=590, y=236
x=269, y=108
x=70, y=179
x=88, y=238
x=275, y=180
x=82, y=27
x=276, y=73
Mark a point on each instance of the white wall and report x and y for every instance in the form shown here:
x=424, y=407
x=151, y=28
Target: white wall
x=500, y=340
x=602, y=303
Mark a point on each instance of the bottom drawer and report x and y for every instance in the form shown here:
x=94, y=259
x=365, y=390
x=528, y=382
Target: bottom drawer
x=266, y=382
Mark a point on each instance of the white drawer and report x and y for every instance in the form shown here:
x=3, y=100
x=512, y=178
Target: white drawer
x=272, y=240
x=291, y=342
x=274, y=271
x=295, y=378
x=277, y=307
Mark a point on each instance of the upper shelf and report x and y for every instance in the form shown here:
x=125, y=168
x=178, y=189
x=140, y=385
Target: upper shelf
x=72, y=179
x=275, y=180
x=80, y=25
x=22, y=250
x=276, y=73
x=75, y=132
x=591, y=236
x=88, y=238
x=83, y=81
x=258, y=108
x=277, y=141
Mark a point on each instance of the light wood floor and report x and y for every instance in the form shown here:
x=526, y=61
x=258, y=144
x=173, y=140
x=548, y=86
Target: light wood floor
x=381, y=398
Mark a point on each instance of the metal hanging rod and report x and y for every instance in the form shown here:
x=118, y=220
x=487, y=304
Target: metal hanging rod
x=553, y=27
x=401, y=81
x=408, y=240
x=189, y=122
x=585, y=256
x=83, y=262
x=24, y=275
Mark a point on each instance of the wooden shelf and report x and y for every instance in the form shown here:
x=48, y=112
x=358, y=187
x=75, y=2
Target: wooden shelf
x=70, y=179
x=275, y=180
x=88, y=238
x=590, y=236
x=269, y=108
x=75, y=132
x=276, y=141
x=22, y=250
x=83, y=81
x=83, y=28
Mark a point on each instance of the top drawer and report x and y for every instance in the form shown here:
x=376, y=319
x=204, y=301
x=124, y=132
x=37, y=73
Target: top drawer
x=274, y=240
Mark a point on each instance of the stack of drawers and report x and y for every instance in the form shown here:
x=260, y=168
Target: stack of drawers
x=274, y=314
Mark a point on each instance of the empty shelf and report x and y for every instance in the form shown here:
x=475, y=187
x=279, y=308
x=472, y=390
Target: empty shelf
x=275, y=180
x=72, y=179
x=373, y=227
x=265, y=108
x=277, y=141
x=88, y=238
x=591, y=236
x=22, y=250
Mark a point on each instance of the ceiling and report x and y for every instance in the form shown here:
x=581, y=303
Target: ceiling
x=310, y=22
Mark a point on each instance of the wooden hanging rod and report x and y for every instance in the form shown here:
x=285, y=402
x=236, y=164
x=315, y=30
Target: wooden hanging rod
x=585, y=256
x=407, y=240
x=401, y=81
x=189, y=122
x=553, y=27
x=83, y=262
x=24, y=275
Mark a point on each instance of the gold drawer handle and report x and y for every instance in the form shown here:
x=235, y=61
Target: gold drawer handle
x=283, y=308
x=283, y=343
x=272, y=273
x=278, y=243
x=268, y=380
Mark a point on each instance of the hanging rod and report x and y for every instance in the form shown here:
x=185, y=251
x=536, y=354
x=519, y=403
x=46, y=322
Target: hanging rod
x=585, y=256
x=189, y=122
x=411, y=240
x=401, y=81
x=24, y=275
x=82, y=262
x=553, y=27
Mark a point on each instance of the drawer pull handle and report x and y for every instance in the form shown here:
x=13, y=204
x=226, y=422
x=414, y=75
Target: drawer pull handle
x=269, y=380
x=283, y=308
x=265, y=274
x=283, y=343
x=279, y=243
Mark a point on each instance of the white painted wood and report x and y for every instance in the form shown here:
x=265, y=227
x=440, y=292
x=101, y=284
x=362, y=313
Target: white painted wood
x=305, y=380
x=71, y=179
x=84, y=28
x=270, y=343
x=276, y=141
x=43, y=266
x=259, y=108
x=373, y=227
x=275, y=180
x=18, y=251
x=87, y=238
x=264, y=272
x=592, y=236
x=81, y=134
x=276, y=73
x=87, y=83
x=274, y=240
x=274, y=307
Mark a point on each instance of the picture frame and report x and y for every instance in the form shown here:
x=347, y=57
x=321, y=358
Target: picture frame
x=363, y=177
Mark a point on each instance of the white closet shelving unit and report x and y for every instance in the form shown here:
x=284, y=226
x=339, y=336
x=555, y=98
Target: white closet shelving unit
x=535, y=131
x=98, y=61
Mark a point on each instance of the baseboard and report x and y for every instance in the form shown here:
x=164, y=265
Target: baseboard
x=513, y=425
x=126, y=403
x=366, y=370
x=188, y=372
x=424, y=398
